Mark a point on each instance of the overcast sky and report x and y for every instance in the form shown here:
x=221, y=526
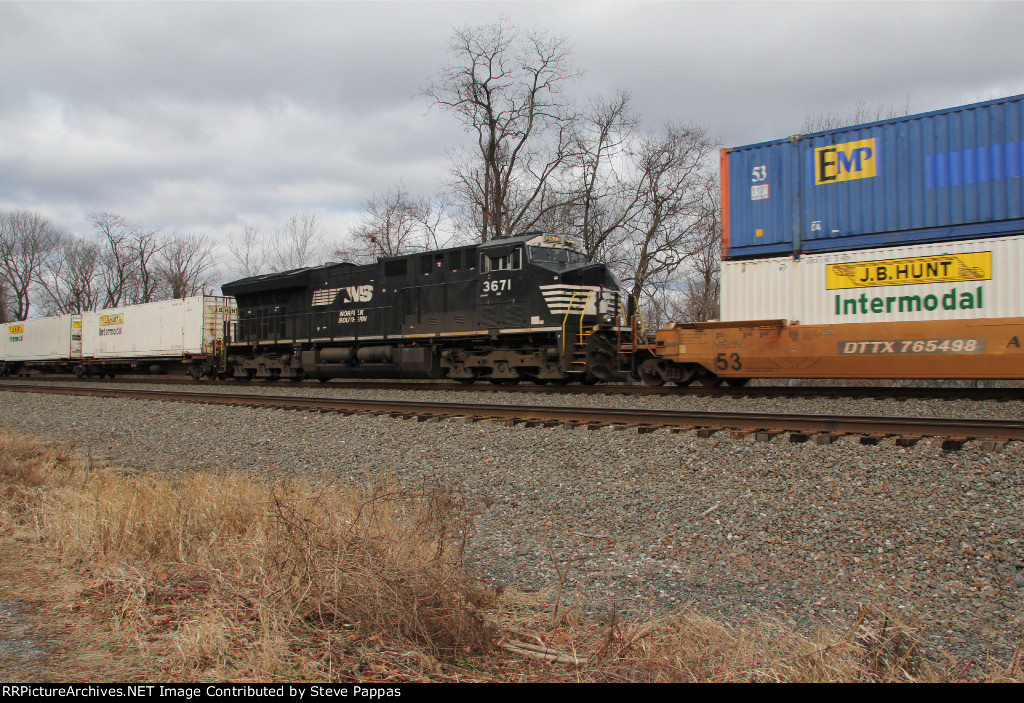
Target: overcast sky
x=202, y=116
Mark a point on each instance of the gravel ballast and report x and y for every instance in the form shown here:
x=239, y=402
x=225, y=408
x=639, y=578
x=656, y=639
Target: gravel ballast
x=732, y=527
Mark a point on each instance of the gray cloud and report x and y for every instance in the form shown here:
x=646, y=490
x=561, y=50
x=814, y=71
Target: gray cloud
x=200, y=116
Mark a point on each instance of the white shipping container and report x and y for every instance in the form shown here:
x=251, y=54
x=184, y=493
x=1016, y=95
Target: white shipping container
x=43, y=339
x=169, y=328
x=979, y=278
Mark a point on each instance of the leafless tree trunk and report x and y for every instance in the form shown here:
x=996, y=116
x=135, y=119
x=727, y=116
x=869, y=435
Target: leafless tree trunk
x=695, y=296
x=5, y=303
x=118, y=271
x=300, y=243
x=186, y=264
x=605, y=201
x=505, y=85
x=248, y=252
x=146, y=245
x=670, y=179
x=393, y=223
x=390, y=224
x=26, y=240
x=71, y=280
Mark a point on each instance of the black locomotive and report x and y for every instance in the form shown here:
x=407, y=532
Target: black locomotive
x=524, y=307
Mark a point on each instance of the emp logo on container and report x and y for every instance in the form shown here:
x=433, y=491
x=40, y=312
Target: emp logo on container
x=845, y=162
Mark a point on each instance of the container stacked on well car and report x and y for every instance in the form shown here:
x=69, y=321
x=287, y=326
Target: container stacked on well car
x=883, y=250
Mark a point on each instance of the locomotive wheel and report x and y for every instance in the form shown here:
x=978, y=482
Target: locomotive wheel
x=709, y=381
x=737, y=382
x=466, y=381
x=196, y=372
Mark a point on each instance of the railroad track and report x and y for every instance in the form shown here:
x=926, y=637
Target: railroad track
x=774, y=391
x=822, y=429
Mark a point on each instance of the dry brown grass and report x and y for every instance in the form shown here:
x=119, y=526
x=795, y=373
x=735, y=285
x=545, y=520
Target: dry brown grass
x=223, y=577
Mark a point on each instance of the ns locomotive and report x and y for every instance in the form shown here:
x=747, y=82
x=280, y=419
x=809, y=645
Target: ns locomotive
x=526, y=307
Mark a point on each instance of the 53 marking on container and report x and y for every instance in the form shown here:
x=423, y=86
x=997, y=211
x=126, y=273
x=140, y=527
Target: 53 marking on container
x=759, y=175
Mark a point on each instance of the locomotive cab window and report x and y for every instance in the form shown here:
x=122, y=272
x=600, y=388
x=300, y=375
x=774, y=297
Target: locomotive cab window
x=511, y=261
x=557, y=255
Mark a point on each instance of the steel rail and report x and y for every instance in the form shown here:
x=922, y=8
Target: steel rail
x=798, y=423
x=890, y=392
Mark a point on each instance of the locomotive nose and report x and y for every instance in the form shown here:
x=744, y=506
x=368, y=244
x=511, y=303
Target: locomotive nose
x=590, y=275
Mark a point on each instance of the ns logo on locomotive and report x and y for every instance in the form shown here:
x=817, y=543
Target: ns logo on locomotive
x=525, y=307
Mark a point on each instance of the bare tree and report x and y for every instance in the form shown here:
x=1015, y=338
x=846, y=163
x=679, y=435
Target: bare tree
x=393, y=223
x=127, y=261
x=26, y=240
x=390, y=224
x=186, y=264
x=248, y=252
x=505, y=86
x=859, y=114
x=670, y=172
x=604, y=201
x=146, y=244
x=695, y=296
x=300, y=243
x=71, y=281
x=5, y=302
x=118, y=272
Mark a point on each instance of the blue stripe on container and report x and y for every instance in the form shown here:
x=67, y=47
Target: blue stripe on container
x=986, y=163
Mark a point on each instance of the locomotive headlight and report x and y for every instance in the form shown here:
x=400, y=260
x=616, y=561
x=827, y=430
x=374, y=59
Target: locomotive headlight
x=607, y=319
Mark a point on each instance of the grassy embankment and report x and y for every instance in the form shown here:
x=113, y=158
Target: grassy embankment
x=220, y=577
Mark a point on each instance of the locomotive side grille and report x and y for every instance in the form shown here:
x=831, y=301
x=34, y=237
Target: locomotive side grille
x=325, y=296
x=559, y=298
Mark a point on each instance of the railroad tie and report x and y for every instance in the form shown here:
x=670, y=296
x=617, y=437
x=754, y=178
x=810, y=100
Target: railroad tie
x=826, y=437
x=871, y=439
x=953, y=444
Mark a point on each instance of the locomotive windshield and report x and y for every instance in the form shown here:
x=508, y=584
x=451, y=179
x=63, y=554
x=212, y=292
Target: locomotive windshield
x=557, y=255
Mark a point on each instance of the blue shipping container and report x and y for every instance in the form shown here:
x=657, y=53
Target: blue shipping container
x=947, y=175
